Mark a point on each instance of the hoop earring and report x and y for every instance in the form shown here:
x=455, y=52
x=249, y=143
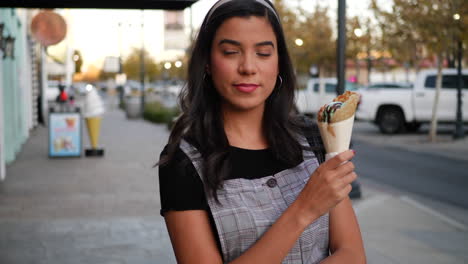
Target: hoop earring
x=281, y=81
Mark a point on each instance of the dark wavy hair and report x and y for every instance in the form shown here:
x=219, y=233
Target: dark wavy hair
x=201, y=122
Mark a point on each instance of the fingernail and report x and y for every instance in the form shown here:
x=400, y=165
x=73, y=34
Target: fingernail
x=354, y=152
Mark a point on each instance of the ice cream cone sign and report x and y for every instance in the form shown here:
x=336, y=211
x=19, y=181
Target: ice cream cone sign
x=335, y=122
x=92, y=112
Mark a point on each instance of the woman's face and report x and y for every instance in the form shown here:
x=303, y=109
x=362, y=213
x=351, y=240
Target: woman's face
x=244, y=62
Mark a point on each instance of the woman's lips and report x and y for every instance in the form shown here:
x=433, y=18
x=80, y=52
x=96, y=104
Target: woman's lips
x=246, y=87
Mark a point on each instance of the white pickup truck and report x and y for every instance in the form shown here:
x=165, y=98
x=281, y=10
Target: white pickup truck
x=317, y=93
x=394, y=109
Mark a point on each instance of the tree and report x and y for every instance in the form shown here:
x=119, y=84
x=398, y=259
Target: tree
x=289, y=23
x=398, y=36
x=360, y=42
x=430, y=23
x=131, y=66
x=314, y=29
x=319, y=44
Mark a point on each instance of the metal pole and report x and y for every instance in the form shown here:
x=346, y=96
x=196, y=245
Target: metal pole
x=341, y=47
x=192, y=37
x=142, y=63
x=120, y=88
x=459, y=131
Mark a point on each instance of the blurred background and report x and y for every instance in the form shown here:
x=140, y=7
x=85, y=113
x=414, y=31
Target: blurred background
x=406, y=58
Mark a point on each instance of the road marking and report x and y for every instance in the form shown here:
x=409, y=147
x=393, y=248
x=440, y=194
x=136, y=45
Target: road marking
x=370, y=202
x=428, y=210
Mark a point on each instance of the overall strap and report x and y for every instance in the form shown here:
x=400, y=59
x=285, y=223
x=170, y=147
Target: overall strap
x=194, y=155
x=312, y=134
x=307, y=152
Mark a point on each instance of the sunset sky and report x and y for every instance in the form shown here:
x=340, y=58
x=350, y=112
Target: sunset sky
x=95, y=32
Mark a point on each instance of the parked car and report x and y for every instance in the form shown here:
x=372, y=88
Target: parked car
x=396, y=109
x=317, y=93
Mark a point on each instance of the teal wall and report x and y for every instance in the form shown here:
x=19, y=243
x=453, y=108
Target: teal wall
x=14, y=117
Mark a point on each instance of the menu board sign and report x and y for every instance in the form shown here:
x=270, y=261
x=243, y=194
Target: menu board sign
x=65, y=138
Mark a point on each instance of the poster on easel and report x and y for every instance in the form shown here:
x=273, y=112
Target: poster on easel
x=65, y=138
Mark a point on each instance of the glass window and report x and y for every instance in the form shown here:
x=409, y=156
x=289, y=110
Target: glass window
x=451, y=81
x=330, y=88
x=388, y=85
x=430, y=81
x=316, y=87
x=448, y=81
x=349, y=86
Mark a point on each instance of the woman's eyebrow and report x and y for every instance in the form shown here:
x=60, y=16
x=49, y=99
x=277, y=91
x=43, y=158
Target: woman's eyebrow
x=237, y=43
x=229, y=41
x=265, y=43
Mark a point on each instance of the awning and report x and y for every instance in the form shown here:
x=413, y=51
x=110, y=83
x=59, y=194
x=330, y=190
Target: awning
x=131, y=4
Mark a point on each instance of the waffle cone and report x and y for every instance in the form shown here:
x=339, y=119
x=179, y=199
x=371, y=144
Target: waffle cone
x=336, y=137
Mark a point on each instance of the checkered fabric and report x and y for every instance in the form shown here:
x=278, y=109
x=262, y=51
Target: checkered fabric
x=249, y=207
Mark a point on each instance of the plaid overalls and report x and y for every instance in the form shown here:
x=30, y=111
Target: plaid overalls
x=249, y=207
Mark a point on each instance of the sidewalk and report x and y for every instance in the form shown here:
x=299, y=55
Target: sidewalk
x=400, y=228
x=86, y=210
x=106, y=210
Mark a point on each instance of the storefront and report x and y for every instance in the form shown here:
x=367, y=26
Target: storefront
x=18, y=94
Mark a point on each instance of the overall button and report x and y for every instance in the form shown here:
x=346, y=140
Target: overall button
x=271, y=183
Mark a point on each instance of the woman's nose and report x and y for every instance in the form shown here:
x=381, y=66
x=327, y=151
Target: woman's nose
x=247, y=65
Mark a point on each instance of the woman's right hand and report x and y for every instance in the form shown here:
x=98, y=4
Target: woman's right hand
x=328, y=185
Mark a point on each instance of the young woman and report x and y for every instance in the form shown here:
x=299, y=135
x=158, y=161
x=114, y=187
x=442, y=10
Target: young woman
x=239, y=181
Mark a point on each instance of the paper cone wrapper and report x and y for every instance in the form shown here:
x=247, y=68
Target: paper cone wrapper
x=94, y=127
x=337, y=137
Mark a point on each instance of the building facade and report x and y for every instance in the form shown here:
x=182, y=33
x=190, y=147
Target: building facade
x=19, y=83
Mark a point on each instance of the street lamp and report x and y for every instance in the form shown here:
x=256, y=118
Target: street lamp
x=341, y=47
x=358, y=32
x=299, y=42
x=459, y=131
x=142, y=62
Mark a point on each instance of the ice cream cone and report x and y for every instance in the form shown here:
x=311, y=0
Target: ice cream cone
x=94, y=126
x=336, y=136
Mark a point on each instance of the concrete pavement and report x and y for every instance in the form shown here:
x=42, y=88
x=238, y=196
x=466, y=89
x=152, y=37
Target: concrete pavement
x=86, y=210
x=401, y=227
x=106, y=210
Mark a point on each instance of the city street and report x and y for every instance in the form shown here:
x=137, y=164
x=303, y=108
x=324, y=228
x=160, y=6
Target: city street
x=414, y=207
x=432, y=174
x=106, y=210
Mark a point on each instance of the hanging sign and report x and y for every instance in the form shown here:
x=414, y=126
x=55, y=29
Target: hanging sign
x=48, y=28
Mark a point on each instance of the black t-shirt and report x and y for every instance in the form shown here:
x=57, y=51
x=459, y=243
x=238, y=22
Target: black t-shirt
x=182, y=189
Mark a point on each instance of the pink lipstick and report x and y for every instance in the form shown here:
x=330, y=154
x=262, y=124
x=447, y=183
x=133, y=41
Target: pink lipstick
x=246, y=87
